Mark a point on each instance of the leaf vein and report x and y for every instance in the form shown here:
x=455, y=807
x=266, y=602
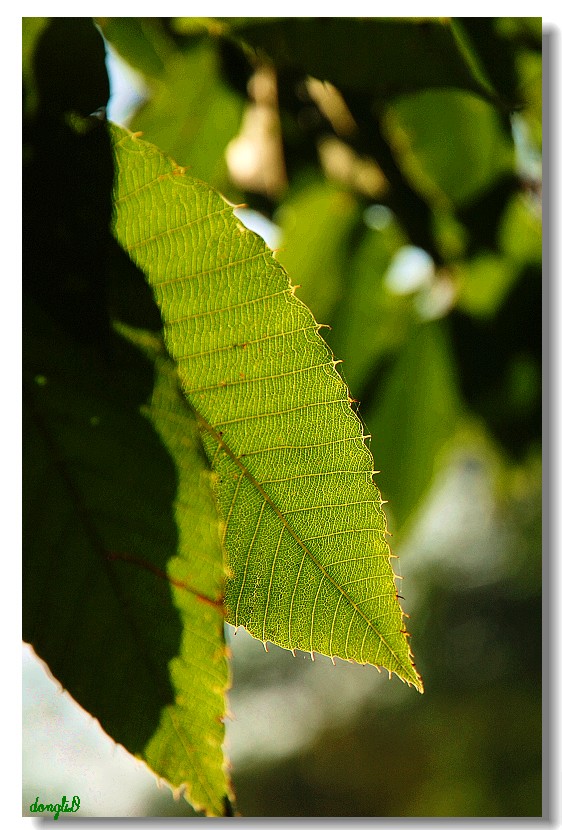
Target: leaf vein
x=345, y=504
x=275, y=414
x=306, y=446
x=250, y=548
x=210, y=312
x=244, y=381
x=314, y=611
x=293, y=597
x=320, y=474
x=271, y=580
x=330, y=647
x=342, y=532
x=170, y=231
x=213, y=270
x=194, y=355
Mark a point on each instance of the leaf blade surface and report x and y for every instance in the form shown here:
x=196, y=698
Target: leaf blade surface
x=304, y=525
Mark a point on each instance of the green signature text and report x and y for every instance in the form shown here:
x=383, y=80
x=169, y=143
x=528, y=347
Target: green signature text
x=64, y=807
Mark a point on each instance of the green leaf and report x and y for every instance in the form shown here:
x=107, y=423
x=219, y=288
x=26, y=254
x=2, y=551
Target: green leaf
x=32, y=28
x=448, y=143
x=316, y=222
x=484, y=283
x=123, y=575
x=370, y=322
x=304, y=525
x=142, y=42
x=414, y=417
x=520, y=231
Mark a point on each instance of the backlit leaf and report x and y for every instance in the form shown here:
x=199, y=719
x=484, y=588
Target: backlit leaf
x=304, y=525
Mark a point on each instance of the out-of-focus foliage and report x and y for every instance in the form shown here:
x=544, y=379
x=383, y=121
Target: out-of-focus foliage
x=191, y=112
x=320, y=47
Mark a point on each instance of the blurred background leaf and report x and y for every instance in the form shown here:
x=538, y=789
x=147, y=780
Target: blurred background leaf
x=443, y=160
